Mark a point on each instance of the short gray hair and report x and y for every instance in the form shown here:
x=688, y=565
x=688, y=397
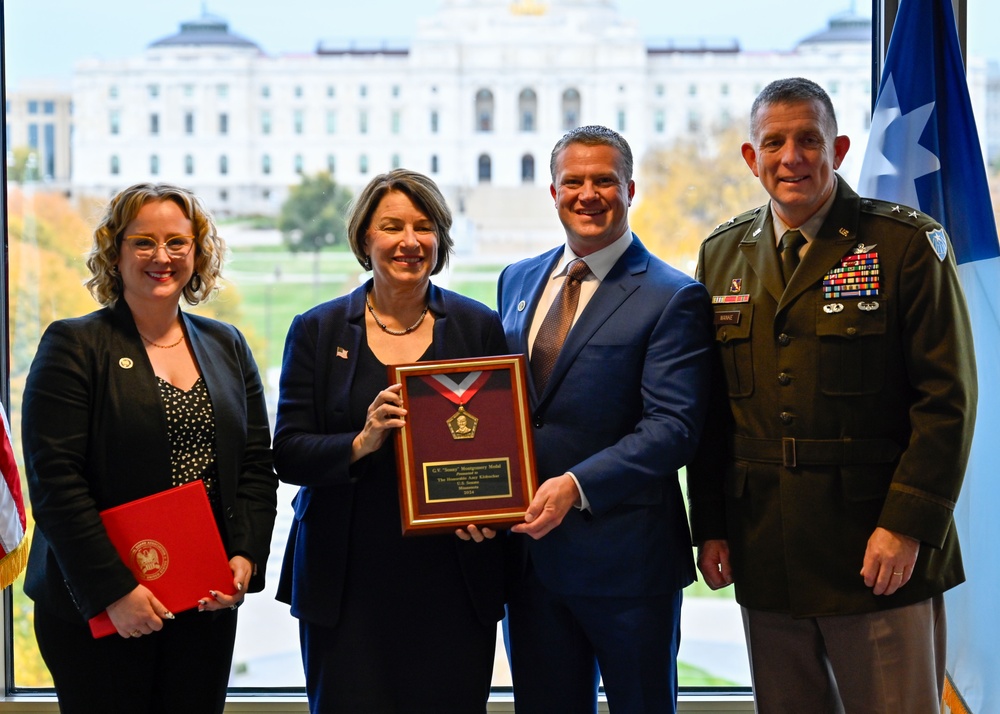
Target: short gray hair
x=791, y=91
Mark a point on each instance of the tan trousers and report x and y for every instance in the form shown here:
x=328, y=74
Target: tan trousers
x=888, y=662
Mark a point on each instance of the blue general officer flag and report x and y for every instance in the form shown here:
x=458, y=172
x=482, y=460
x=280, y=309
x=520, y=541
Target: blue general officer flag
x=924, y=151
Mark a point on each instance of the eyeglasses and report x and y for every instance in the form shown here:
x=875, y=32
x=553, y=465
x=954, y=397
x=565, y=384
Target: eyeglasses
x=146, y=247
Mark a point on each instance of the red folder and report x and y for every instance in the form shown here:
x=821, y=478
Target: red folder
x=171, y=544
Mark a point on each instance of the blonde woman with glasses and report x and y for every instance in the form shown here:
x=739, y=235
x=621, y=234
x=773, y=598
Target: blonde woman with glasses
x=131, y=400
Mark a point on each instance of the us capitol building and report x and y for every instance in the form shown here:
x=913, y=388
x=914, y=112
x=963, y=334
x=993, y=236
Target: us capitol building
x=476, y=99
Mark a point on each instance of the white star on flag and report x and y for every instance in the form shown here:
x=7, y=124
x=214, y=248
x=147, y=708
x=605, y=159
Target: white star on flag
x=893, y=147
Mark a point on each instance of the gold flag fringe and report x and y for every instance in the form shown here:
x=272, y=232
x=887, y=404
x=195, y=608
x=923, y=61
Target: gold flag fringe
x=951, y=700
x=13, y=563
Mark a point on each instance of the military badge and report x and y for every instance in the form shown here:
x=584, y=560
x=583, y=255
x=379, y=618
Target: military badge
x=729, y=299
x=856, y=276
x=736, y=285
x=938, y=243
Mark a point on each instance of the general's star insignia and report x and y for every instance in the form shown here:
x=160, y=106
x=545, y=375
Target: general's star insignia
x=895, y=209
x=913, y=214
x=731, y=221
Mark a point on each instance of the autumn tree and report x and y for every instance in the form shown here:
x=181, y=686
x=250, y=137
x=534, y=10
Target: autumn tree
x=23, y=165
x=686, y=190
x=315, y=214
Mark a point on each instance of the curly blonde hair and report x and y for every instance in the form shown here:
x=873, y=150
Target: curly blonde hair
x=105, y=283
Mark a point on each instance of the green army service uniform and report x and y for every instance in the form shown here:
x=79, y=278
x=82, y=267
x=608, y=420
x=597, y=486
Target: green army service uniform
x=851, y=403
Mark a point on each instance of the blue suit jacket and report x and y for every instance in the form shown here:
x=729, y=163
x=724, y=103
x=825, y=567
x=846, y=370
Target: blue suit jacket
x=623, y=410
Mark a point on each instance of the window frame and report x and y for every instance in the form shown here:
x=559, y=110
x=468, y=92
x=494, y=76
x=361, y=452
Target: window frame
x=292, y=699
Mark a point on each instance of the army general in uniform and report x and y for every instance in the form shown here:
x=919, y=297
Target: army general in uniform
x=826, y=480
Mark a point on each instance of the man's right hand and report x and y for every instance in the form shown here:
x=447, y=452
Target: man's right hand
x=713, y=562
x=552, y=501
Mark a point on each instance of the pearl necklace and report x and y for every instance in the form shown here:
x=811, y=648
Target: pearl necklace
x=388, y=330
x=162, y=347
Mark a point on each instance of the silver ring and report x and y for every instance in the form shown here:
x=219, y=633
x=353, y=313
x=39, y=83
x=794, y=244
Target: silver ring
x=900, y=573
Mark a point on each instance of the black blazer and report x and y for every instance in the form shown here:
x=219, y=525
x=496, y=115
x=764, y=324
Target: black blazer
x=312, y=447
x=95, y=436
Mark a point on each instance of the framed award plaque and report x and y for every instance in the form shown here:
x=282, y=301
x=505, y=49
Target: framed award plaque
x=465, y=455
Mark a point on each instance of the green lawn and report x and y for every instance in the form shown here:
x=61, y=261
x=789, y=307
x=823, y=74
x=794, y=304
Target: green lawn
x=275, y=285
x=690, y=676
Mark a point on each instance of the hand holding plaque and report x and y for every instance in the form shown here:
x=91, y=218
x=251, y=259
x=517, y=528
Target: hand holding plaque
x=465, y=454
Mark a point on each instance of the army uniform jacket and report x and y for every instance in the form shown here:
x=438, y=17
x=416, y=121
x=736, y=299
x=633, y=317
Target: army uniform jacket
x=851, y=403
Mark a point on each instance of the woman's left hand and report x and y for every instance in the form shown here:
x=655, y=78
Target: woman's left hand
x=242, y=570
x=470, y=532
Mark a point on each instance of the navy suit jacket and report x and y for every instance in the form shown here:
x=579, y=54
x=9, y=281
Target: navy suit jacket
x=623, y=410
x=312, y=448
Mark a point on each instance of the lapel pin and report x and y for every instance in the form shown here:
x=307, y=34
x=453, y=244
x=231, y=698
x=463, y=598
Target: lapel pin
x=341, y=352
x=520, y=306
x=125, y=363
x=844, y=232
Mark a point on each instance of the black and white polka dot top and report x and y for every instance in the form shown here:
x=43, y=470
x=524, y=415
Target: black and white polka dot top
x=191, y=432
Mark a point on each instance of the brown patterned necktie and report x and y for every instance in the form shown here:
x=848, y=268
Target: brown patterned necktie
x=555, y=326
x=791, y=244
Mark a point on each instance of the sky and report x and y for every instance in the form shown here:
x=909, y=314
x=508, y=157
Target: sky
x=44, y=37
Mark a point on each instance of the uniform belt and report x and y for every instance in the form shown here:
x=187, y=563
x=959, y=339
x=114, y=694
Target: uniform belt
x=815, y=452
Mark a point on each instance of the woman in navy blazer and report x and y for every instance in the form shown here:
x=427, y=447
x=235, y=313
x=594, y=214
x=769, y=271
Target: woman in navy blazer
x=387, y=623
x=125, y=402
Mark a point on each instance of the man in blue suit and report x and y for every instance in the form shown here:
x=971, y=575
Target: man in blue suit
x=617, y=410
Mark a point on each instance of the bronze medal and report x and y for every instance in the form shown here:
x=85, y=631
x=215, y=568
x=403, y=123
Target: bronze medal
x=462, y=424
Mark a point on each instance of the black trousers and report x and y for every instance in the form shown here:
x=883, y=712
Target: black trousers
x=183, y=668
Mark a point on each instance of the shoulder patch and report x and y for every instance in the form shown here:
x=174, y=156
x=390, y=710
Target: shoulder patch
x=939, y=243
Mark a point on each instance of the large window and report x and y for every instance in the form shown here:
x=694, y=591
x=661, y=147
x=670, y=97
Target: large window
x=484, y=110
x=488, y=122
